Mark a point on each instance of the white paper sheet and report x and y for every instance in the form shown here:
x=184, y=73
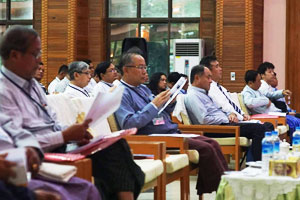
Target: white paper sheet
x=104, y=105
x=174, y=91
x=17, y=155
x=281, y=114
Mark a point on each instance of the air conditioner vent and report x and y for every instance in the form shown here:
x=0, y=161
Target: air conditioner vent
x=187, y=49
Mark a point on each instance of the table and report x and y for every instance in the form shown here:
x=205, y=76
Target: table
x=250, y=184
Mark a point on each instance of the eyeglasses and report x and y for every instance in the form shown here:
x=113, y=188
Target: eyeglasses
x=112, y=70
x=87, y=73
x=138, y=67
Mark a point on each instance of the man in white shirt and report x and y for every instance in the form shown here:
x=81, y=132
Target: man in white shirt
x=79, y=78
x=266, y=70
x=107, y=73
x=221, y=95
x=62, y=72
x=93, y=81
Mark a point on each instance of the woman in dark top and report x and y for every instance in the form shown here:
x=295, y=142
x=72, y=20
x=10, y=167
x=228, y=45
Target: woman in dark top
x=158, y=83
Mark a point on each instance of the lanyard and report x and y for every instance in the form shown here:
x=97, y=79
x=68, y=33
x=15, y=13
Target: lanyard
x=146, y=100
x=85, y=94
x=28, y=96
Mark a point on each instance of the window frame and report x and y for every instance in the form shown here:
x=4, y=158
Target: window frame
x=8, y=21
x=142, y=20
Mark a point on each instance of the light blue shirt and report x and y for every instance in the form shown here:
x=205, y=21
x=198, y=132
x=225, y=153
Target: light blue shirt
x=256, y=102
x=27, y=116
x=201, y=108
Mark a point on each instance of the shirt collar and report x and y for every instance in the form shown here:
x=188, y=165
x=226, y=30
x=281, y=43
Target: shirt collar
x=109, y=84
x=198, y=89
x=74, y=86
x=17, y=79
x=214, y=83
x=57, y=78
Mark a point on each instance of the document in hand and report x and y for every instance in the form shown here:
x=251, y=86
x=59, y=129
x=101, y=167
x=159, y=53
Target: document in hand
x=174, y=91
x=100, y=142
x=17, y=155
x=104, y=105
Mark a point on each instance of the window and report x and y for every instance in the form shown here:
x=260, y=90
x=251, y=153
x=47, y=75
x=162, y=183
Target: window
x=158, y=21
x=14, y=12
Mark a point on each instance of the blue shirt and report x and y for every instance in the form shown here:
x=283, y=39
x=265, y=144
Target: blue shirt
x=201, y=108
x=136, y=110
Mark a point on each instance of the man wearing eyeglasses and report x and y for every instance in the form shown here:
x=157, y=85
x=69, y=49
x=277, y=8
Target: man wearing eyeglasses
x=140, y=109
x=79, y=78
x=107, y=73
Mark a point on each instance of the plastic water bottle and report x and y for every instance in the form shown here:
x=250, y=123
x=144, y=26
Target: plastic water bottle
x=296, y=140
x=267, y=151
x=276, y=143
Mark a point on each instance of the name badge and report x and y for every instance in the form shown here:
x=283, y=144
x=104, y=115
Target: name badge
x=158, y=121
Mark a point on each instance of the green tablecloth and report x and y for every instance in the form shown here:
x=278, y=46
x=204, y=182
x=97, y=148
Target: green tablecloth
x=225, y=193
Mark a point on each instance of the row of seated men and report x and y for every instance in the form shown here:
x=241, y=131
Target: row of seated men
x=24, y=102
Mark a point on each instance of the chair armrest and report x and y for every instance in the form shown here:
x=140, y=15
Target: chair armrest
x=210, y=129
x=171, y=142
x=274, y=121
x=158, y=149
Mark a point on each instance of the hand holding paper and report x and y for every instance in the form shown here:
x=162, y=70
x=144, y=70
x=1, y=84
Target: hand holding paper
x=174, y=91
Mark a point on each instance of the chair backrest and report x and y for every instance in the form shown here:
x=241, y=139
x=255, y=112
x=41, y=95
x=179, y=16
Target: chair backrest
x=242, y=104
x=180, y=111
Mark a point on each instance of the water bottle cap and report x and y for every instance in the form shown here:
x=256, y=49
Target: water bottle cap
x=274, y=133
x=268, y=133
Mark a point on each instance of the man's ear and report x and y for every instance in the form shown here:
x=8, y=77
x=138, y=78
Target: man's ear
x=76, y=75
x=14, y=54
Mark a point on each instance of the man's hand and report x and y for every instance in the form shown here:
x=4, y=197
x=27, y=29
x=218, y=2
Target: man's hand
x=246, y=117
x=6, y=168
x=161, y=98
x=233, y=118
x=46, y=195
x=269, y=104
x=77, y=132
x=286, y=92
x=33, y=160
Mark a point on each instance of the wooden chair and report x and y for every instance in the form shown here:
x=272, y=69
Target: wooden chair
x=153, y=169
x=229, y=145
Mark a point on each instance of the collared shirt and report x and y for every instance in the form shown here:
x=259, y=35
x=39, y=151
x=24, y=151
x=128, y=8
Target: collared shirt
x=52, y=85
x=62, y=85
x=221, y=100
x=268, y=91
x=202, y=109
x=75, y=91
x=27, y=115
x=102, y=86
x=256, y=102
x=90, y=87
x=137, y=110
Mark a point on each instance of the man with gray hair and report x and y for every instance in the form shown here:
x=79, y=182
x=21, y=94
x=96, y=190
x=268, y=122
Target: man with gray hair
x=79, y=78
x=25, y=102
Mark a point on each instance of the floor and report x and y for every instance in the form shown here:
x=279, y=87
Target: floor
x=173, y=192
x=173, y=189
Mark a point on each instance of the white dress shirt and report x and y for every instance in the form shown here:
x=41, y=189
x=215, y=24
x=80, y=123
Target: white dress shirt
x=102, y=86
x=75, y=91
x=52, y=85
x=62, y=85
x=269, y=92
x=220, y=99
x=90, y=87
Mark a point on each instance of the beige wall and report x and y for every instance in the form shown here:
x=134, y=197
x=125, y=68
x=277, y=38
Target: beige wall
x=275, y=36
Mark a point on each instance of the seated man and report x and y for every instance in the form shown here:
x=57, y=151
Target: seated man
x=23, y=100
x=174, y=77
x=258, y=103
x=202, y=110
x=62, y=72
x=79, y=78
x=140, y=109
x=107, y=73
x=266, y=70
x=93, y=81
x=219, y=94
x=22, y=139
x=39, y=74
